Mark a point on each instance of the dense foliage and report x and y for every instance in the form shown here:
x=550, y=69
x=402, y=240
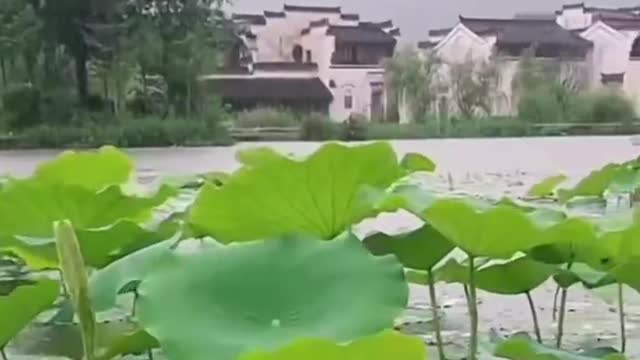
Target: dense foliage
x=263, y=263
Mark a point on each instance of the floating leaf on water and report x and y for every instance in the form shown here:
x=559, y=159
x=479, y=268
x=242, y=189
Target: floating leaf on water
x=593, y=185
x=546, y=187
x=387, y=345
x=322, y=195
x=266, y=294
x=524, y=348
x=22, y=305
x=418, y=162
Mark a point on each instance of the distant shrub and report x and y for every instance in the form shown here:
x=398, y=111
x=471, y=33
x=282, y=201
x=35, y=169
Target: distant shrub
x=21, y=105
x=607, y=107
x=319, y=127
x=355, y=128
x=265, y=117
x=383, y=131
x=540, y=107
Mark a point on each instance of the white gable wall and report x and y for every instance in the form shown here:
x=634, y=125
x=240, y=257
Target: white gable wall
x=574, y=18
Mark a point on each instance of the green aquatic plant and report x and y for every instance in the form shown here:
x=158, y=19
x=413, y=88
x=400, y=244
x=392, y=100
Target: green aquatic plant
x=523, y=348
x=322, y=195
x=387, y=345
x=264, y=295
x=547, y=187
x=421, y=249
x=22, y=305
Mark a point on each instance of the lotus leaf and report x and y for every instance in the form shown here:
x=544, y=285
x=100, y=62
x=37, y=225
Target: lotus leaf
x=546, y=187
x=21, y=306
x=593, y=185
x=264, y=295
x=524, y=348
x=107, y=283
x=515, y=276
x=29, y=208
x=322, y=195
x=133, y=341
x=92, y=170
x=627, y=273
x=257, y=156
x=583, y=273
x=100, y=247
x=418, y=162
x=572, y=240
x=421, y=249
x=500, y=231
x=387, y=345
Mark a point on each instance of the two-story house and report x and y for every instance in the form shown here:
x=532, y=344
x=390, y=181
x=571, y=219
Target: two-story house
x=308, y=58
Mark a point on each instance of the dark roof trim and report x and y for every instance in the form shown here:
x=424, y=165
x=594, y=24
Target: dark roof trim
x=319, y=9
x=508, y=20
x=612, y=78
x=426, y=44
x=285, y=66
x=319, y=23
x=351, y=17
x=360, y=34
x=381, y=25
x=275, y=14
x=440, y=32
x=395, y=32
x=573, y=6
x=253, y=19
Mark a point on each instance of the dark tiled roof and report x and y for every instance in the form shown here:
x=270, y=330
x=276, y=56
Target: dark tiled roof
x=612, y=13
x=319, y=9
x=440, y=32
x=573, y=6
x=612, y=78
x=622, y=24
x=270, y=89
x=352, y=17
x=527, y=32
x=387, y=24
x=360, y=34
x=395, y=32
x=319, y=23
x=253, y=19
x=281, y=65
x=426, y=44
x=275, y=14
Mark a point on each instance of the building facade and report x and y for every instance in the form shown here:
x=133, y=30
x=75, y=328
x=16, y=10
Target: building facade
x=308, y=58
x=602, y=42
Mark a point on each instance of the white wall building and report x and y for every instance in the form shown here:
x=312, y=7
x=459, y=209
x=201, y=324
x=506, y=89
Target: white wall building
x=604, y=42
x=309, y=58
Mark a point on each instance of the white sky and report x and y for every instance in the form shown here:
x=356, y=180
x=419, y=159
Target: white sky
x=416, y=17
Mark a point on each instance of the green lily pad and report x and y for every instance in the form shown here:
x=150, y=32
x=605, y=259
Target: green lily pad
x=572, y=240
x=627, y=273
x=322, y=195
x=515, y=276
x=499, y=231
x=593, y=185
x=546, y=187
x=418, y=162
x=584, y=274
x=20, y=307
x=107, y=283
x=524, y=348
x=421, y=249
x=94, y=170
x=133, y=341
x=264, y=295
x=387, y=345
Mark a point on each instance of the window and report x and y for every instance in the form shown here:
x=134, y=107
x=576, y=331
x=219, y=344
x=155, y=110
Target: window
x=635, y=49
x=309, y=58
x=348, y=100
x=297, y=53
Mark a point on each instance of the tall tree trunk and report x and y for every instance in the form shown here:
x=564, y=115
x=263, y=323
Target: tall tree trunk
x=3, y=69
x=82, y=77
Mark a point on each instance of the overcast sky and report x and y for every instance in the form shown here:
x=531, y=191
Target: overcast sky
x=416, y=17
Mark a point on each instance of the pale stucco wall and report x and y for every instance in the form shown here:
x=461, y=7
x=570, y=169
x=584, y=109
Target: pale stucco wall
x=357, y=83
x=575, y=18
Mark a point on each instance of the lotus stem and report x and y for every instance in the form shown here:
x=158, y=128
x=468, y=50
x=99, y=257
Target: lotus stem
x=3, y=353
x=150, y=354
x=563, y=310
x=623, y=331
x=466, y=294
x=534, y=316
x=473, y=310
x=436, y=316
x=554, y=313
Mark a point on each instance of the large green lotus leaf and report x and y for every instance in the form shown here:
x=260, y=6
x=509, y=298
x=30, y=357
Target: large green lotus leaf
x=421, y=249
x=585, y=274
x=322, y=195
x=20, y=307
x=574, y=239
x=593, y=185
x=388, y=345
x=124, y=342
x=524, y=348
x=100, y=246
x=499, y=231
x=29, y=208
x=107, y=283
x=546, y=187
x=515, y=276
x=264, y=295
x=94, y=170
x=627, y=273
x=418, y=162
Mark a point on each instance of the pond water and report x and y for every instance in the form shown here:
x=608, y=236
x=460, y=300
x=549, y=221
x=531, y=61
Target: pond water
x=487, y=165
